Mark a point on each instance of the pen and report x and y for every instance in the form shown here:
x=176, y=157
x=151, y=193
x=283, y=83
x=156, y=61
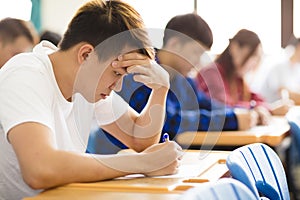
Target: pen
x=165, y=137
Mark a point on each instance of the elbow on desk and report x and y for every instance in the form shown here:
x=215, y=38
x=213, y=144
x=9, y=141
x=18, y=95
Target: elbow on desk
x=39, y=178
x=140, y=145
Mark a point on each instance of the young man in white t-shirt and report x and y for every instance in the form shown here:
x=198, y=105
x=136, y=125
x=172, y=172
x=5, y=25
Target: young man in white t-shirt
x=50, y=97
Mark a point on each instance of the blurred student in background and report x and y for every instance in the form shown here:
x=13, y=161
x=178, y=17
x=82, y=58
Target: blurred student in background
x=35, y=34
x=283, y=79
x=224, y=79
x=282, y=83
x=15, y=37
x=186, y=38
x=51, y=36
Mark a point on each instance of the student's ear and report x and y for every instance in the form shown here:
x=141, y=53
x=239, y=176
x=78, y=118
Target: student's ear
x=84, y=52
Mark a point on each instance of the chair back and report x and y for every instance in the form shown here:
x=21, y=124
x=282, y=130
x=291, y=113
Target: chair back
x=260, y=168
x=223, y=189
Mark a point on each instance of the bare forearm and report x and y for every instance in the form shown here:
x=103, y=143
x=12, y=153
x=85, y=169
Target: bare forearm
x=61, y=167
x=140, y=130
x=65, y=167
x=151, y=120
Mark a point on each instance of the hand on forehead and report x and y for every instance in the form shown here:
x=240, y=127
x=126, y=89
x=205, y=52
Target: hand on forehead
x=129, y=59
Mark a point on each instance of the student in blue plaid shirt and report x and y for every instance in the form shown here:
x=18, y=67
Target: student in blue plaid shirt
x=186, y=38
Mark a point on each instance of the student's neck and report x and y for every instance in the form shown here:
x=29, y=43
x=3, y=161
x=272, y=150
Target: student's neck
x=64, y=71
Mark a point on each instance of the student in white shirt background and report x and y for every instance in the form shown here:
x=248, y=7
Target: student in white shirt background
x=282, y=81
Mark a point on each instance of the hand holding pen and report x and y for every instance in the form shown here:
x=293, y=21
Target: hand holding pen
x=165, y=137
x=282, y=106
x=166, y=157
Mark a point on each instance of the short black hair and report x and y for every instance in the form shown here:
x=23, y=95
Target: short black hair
x=51, y=36
x=12, y=28
x=98, y=21
x=192, y=25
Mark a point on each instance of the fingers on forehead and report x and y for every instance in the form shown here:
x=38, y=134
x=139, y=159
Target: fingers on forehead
x=133, y=55
x=133, y=63
x=120, y=69
x=137, y=69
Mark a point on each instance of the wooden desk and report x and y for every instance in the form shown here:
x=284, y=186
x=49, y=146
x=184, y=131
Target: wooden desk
x=197, y=167
x=272, y=135
x=80, y=194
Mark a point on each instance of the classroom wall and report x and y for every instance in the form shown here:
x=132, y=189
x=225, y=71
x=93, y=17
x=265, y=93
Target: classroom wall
x=56, y=14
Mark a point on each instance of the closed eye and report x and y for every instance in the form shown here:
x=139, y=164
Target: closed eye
x=117, y=73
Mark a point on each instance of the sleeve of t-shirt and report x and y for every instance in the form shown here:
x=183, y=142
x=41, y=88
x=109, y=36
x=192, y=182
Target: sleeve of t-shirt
x=25, y=97
x=110, y=109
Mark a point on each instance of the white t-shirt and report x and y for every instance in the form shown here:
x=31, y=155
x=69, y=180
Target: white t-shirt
x=283, y=75
x=29, y=93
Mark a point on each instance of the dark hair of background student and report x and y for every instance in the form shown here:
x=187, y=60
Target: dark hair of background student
x=244, y=38
x=51, y=36
x=192, y=30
